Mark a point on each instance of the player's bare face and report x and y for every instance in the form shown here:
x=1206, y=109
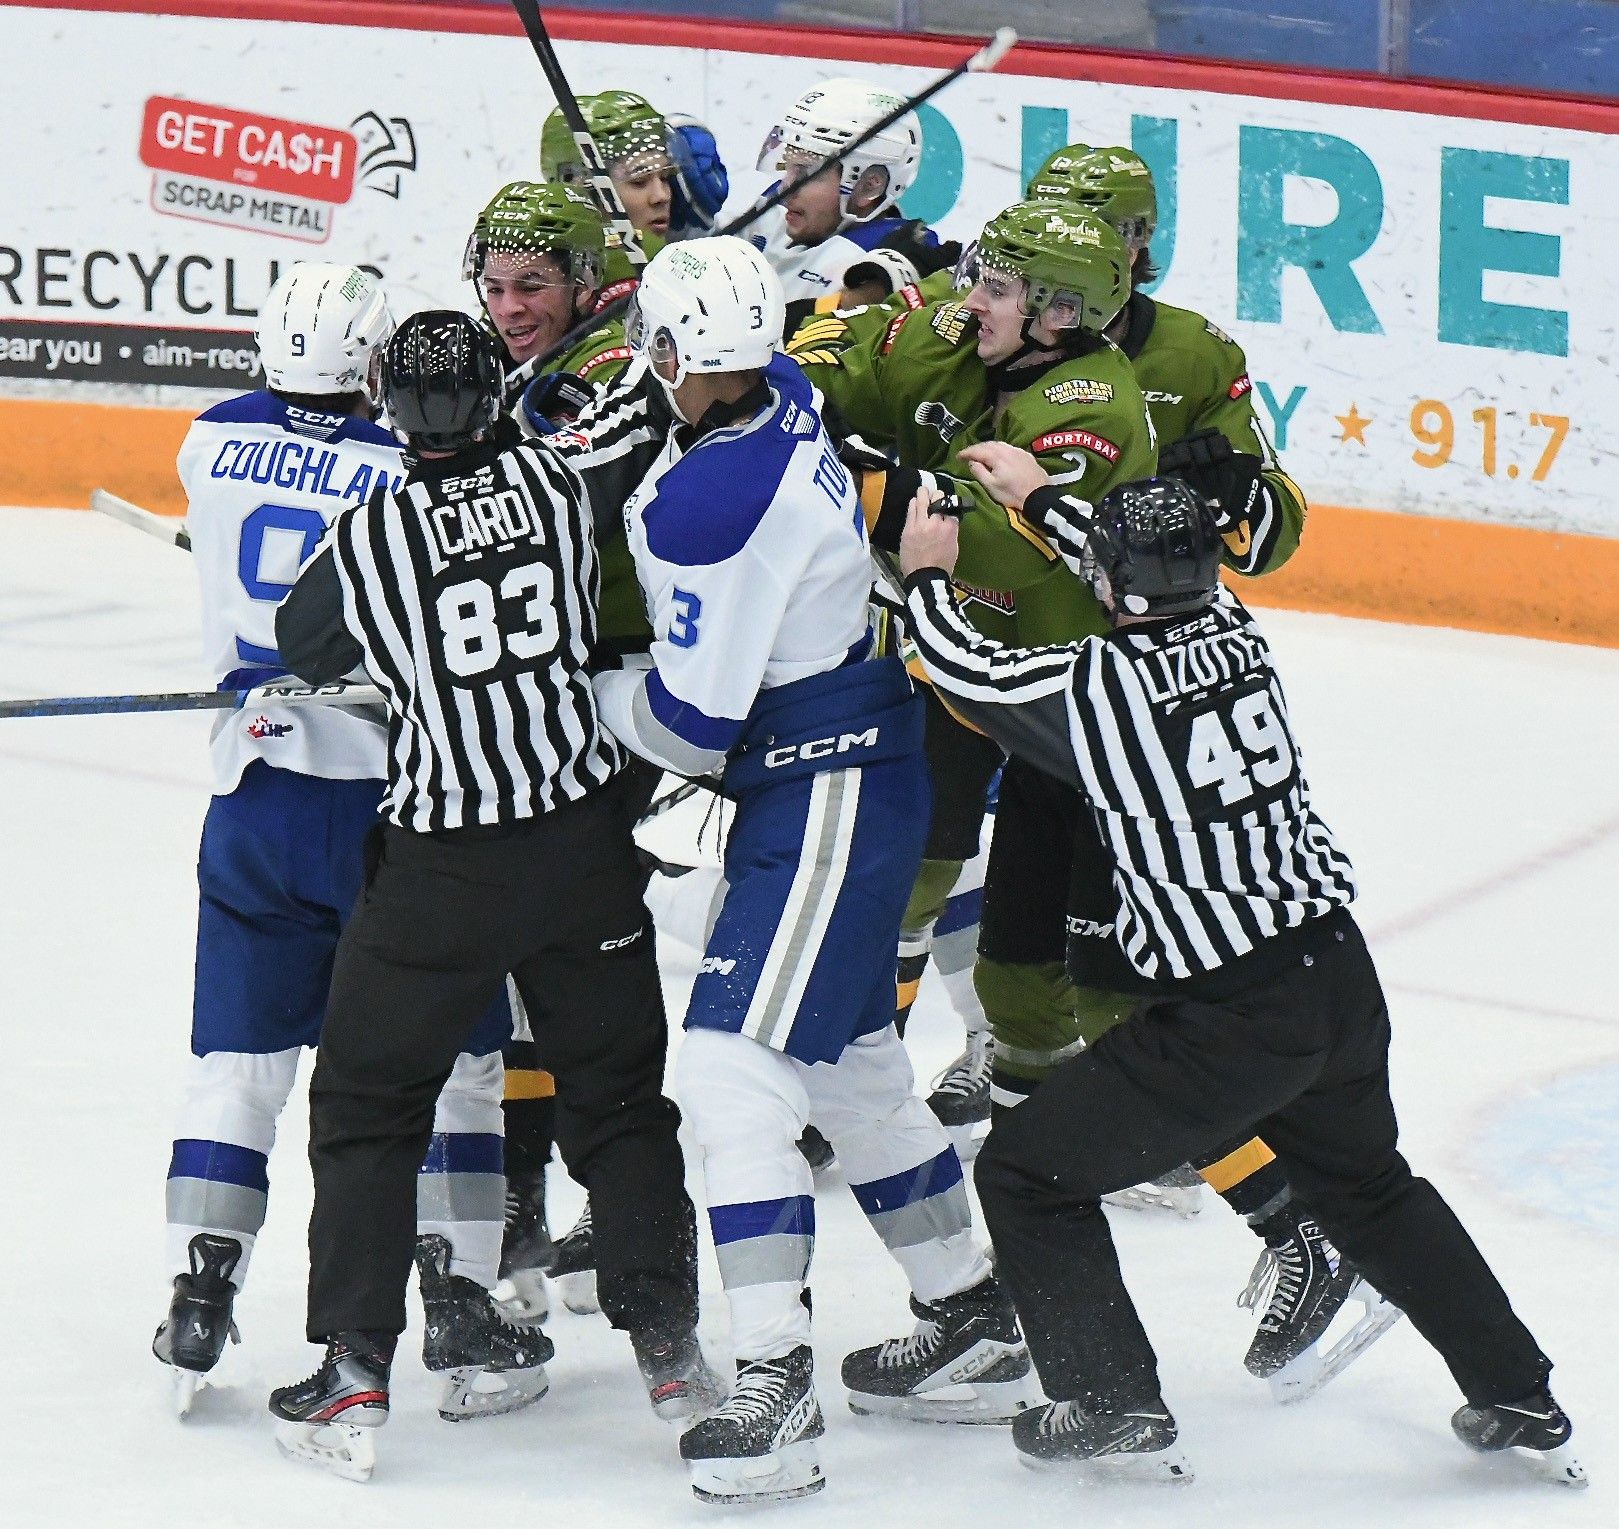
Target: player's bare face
x=812, y=207
x=530, y=301
x=996, y=301
x=645, y=184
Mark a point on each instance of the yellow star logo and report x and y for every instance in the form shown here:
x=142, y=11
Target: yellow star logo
x=1354, y=425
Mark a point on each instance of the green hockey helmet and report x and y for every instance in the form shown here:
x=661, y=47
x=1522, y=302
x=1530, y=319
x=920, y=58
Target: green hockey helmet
x=1063, y=253
x=528, y=218
x=625, y=126
x=1114, y=183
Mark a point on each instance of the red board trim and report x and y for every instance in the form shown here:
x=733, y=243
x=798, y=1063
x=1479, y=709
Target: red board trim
x=1266, y=81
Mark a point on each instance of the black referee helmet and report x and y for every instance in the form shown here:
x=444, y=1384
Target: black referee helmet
x=442, y=379
x=1157, y=543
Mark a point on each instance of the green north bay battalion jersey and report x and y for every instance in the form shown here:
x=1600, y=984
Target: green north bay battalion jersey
x=598, y=358
x=1195, y=377
x=917, y=387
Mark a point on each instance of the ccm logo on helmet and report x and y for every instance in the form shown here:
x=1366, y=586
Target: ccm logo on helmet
x=820, y=748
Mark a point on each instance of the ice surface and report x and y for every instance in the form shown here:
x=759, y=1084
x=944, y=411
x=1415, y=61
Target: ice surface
x=1472, y=779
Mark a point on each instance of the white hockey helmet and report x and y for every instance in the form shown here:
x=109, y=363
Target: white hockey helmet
x=835, y=113
x=322, y=330
x=710, y=305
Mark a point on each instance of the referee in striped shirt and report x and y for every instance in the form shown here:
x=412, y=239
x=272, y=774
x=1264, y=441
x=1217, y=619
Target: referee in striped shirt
x=469, y=595
x=1261, y=1007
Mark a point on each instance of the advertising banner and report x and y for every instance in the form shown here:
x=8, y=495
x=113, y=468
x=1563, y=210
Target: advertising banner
x=1426, y=300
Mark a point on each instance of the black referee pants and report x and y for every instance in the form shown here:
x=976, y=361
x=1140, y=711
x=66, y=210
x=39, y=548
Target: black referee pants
x=555, y=901
x=1299, y=1058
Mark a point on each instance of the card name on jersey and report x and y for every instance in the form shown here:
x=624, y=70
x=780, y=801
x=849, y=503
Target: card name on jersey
x=293, y=464
x=1201, y=664
x=1080, y=390
x=490, y=520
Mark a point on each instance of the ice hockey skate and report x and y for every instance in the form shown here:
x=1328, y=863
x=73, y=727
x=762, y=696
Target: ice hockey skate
x=1308, y=1332
x=680, y=1383
x=1141, y=1444
x=489, y=1366
x=1179, y=1192
x=572, y=1265
x=960, y=1096
x=965, y=1363
x=1533, y=1430
x=330, y=1420
x=193, y=1335
x=525, y=1250
x=760, y=1445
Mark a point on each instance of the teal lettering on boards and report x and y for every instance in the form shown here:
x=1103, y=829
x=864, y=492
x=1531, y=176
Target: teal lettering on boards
x=938, y=180
x=1281, y=414
x=1156, y=140
x=1468, y=247
x=1045, y=130
x=1326, y=252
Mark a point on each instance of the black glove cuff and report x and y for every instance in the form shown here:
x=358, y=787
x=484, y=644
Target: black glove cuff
x=899, y=488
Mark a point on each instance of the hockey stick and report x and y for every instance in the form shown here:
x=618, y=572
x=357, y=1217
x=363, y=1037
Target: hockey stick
x=194, y=700
x=602, y=188
x=986, y=58
x=163, y=527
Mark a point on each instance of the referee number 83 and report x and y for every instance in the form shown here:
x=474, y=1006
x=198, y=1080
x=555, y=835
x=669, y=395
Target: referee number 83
x=484, y=624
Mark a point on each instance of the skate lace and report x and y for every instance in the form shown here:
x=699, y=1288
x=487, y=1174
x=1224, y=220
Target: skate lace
x=1276, y=1284
x=756, y=1394
x=919, y=1345
x=1064, y=1417
x=967, y=1074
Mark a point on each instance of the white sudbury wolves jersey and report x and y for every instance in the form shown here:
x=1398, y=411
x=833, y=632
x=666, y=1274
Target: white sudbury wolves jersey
x=265, y=479
x=808, y=270
x=751, y=551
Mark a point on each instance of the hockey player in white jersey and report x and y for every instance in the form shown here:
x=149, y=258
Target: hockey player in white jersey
x=839, y=238
x=283, y=856
x=752, y=553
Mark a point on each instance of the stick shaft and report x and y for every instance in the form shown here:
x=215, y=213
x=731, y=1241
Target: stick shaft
x=163, y=527
x=290, y=694
x=601, y=181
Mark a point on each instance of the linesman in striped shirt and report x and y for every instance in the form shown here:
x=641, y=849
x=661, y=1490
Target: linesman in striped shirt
x=1261, y=1007
x=470, y=596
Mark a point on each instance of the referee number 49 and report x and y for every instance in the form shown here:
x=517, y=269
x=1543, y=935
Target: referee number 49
x=484, y=624
x=1260, y=755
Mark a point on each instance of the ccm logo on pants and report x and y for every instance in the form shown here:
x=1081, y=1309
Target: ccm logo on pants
x=619, y=944
x=820, y=748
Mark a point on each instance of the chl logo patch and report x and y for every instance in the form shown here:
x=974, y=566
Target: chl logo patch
x=932, y=415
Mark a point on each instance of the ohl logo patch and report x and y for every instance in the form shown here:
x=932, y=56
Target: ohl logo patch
x=263, y=727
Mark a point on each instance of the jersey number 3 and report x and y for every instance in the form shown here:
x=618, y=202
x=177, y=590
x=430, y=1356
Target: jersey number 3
x=1260, y=755
x=483, y=626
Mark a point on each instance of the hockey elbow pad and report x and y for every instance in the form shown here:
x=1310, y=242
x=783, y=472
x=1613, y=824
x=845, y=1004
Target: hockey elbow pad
x=891, y=269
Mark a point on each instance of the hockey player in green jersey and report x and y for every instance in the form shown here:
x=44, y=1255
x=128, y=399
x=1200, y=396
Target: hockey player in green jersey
x=1018, y=358
x=666, y=169
x=1194, y=375
x=535, y=259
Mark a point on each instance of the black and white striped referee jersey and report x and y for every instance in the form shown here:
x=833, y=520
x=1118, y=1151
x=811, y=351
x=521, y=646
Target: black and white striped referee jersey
x=1177, y=733
x=470, y=596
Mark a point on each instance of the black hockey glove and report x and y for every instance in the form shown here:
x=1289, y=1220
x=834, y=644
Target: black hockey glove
x=1229, y=479
x=886, y=490
x=555, y=399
